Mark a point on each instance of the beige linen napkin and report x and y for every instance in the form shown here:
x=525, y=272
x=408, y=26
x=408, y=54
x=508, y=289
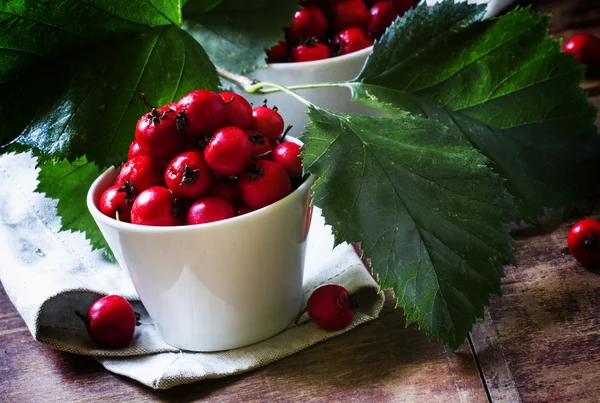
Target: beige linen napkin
x=48, y=274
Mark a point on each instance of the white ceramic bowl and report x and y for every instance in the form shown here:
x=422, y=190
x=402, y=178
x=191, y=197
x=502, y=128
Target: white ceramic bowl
x=220, y=285
x=341, y=68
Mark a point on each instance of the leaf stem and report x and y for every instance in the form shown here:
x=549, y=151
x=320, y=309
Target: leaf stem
x=240, y=80
x=259, y=85
x=307, y=86
x=255, y=86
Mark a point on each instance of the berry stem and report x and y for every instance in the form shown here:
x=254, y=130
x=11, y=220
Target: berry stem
x=83, y=317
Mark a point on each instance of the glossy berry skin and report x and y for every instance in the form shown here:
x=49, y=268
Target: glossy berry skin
x=141, y=173
x=204, y=111
x=402, y=6
x=349, y=13
x=268, y=122
x=585, y=48
x=278, y=53
x=155, y=206
x=309, y=53
x=287, y=155
x=267, y=185
x=329, y=307
x=381, y=16
x=157, y=133
x=352, y=40
x=227, y=190
x=308, y=22
x=584, y=242
x=110, y=322
x=116, y=201
x=188, y=176
x=261, y=147
x=238, y=111
x=135, y=150
x=229, y=151
x=241, y=210
x=209, y=209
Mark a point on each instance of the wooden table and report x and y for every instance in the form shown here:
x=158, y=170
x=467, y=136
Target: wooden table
x=540, y=341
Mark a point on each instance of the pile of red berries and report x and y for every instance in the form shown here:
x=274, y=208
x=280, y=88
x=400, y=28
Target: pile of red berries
x=205, y=158
x=329, y=28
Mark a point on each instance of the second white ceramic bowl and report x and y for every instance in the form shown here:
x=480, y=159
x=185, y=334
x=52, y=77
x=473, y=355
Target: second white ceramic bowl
x=341, y=68
x=220, y=285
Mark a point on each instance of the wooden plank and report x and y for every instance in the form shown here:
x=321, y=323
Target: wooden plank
x=382, y=361
x=546, y=324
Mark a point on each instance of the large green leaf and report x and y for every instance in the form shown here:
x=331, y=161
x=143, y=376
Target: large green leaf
x=69, y=183
x=30, y=30
x=236, y=32
x=88, y=103
x=504, y=85
x=429, y=212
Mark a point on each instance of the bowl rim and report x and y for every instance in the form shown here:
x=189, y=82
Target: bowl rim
x=316, y=63
x=237, y=220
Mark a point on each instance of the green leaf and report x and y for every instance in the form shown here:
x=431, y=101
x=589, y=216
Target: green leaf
x=424, y=205
x=235, y=32
x=30, y=30
x=502, y=84
x=69, y=183
x=88, y=103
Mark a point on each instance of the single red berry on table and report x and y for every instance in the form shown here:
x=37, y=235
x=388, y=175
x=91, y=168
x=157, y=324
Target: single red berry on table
x=381, y=16
x=203, y=111
x=209, y=209
x=241, y=210
x=140, y=173
x=156, y=206
x=330, y=307
x=226, y=189
x=268, y=122
x=157, y=133
x=229, y=151
x=308, y=22
x=584, y=242
x=188, y=176
x=310, y=52
x=278, y=53
x=352, y=40
x=238, y=111
x=110, y=322
x=261, y=147
x=265, y=185
x=585, y=48
x=135, y=150
x=288, y=156
x=402, y=6
x=116, y=203
x=349, y=13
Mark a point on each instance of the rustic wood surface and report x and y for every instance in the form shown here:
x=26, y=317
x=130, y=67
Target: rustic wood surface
x=381, y=361
x=540, y=341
